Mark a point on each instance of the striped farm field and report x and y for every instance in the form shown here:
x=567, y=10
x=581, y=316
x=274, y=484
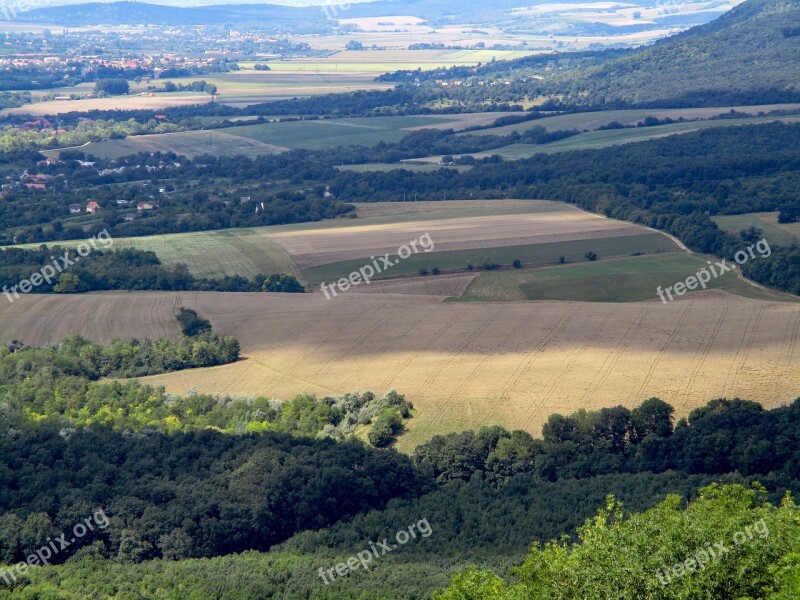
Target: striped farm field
x=365, y=131
x=355, y=241
x=270, y=138
x=530, y=255
x=462, y=364
x=540, y=230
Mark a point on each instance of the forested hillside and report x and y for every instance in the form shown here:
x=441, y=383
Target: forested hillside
x=497, y=491
x=750, y=55
x=751, y=52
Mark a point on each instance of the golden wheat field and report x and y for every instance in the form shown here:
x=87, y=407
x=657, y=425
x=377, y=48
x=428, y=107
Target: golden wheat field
x=463, y=365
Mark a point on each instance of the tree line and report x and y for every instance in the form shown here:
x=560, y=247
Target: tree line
x=126, y=269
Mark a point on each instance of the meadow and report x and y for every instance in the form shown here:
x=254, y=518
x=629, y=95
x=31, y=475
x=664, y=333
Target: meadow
x=268, y=138
x=530, y=255
x=377, y=62
x=583, y=121
x=631, y=279
x=782, y=234
x=602, y=139
x=187, y=143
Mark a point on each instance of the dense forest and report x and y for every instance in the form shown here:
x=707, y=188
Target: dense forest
x=486, y=495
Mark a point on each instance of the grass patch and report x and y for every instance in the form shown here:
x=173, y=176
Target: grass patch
x=632, y=279
x=530, y=255
x=332, y=133
x=781, y=234
x=245, y=252
x=187, y=143
x=583, y=121
x=602, y=139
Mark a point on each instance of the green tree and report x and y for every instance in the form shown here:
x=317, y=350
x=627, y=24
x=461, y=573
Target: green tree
x=67, y=284
x=656, y=555
x=111, y=87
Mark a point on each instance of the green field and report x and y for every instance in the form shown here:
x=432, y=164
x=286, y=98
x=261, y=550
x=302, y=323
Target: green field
x=529, y=255
x=215, y=142
x=602, y=139
x=590, y=121
x=252, y=87
x=775, y=233
x=269, y=138
x=331, y=133
x=631, y=279
x=245, y=252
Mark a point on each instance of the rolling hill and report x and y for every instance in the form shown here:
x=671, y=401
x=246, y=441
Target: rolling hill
x=749, y=55
x=752, y=50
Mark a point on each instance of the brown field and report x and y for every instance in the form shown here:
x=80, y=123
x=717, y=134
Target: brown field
x=55, y=107
x=463, y=365
x=312, y=248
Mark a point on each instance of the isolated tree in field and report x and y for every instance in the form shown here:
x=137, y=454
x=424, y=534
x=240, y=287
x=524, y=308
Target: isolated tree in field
x=111, y=87
x=591, y=255
x=191, y=323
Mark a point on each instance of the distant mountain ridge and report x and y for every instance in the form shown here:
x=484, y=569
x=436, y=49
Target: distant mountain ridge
x=755, y=46
x=269, y=16
x=508, y=15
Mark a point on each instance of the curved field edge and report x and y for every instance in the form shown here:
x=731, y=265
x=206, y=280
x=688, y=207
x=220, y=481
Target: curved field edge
x=462, y=364
x=530, y=255
x=632, y=279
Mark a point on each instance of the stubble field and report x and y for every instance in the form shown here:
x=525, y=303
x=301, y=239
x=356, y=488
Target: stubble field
x=462, y=364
